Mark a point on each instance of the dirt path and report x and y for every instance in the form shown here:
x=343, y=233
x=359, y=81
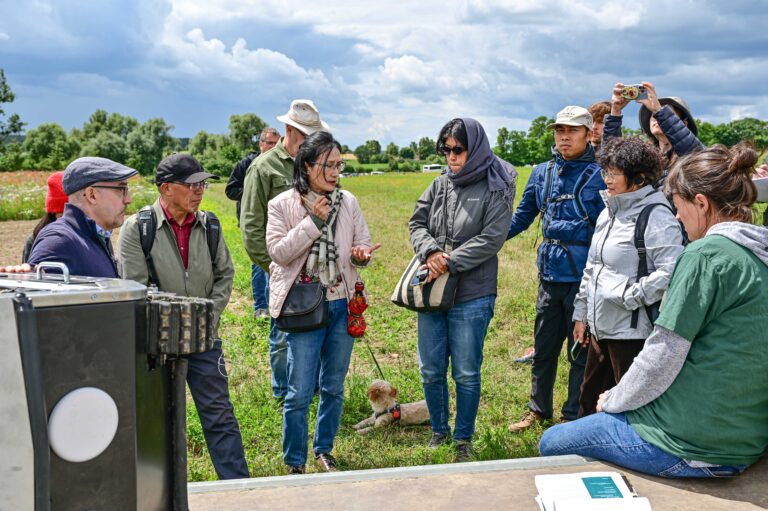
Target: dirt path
x=12, y=236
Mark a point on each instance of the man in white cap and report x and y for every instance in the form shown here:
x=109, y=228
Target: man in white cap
x=565, y=191
x=269, y=175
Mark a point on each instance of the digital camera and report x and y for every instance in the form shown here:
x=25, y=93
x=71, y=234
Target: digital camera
x=633, y=92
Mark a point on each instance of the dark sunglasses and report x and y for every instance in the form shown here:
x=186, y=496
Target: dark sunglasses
x=457, y=150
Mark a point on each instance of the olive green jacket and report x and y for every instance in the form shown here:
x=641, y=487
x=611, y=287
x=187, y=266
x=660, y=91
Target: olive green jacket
x=268, y=176
x=202, y=278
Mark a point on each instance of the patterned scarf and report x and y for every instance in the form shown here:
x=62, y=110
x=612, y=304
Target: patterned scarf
x=322, y=255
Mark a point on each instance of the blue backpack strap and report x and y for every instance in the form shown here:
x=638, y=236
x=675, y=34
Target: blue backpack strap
x=548, y=178
x=578, y=201
x=642, y=263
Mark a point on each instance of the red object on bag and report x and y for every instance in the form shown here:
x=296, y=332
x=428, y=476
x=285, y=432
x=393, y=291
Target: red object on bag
x=357, y=305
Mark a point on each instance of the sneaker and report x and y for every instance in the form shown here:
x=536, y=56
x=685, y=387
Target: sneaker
x=296, y=470
x=437, y=440
x=260, y=313
x=326, y=462
x=464, y=451
x=527, y=356
x=528, y=420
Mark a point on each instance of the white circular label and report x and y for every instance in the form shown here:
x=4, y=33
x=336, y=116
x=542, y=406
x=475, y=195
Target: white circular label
x=82, y=424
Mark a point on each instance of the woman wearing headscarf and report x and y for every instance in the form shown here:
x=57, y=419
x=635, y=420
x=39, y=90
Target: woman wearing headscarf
x=458, y=226
x=316, y=231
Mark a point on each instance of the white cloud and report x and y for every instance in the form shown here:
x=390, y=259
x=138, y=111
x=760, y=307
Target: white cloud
x=4, y=36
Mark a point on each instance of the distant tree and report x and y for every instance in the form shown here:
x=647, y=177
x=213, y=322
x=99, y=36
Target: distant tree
x=512, y=146
x=148, y=144
x=242, y=129
x=345, y=149
x=47, y=147
x=363, y=153
x=407, y=151
x=392, y=149
x=204, y=141
x=426, y=147
x=121, y=125
x=13, y=125
x=373, y=146
x=707, y=132
x=95, y=124
x=629, y=132
x=107, y=145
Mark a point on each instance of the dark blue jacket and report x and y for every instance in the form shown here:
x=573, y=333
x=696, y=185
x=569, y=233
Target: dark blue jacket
x=569, y=217
x=682, y=139
x=72, y=240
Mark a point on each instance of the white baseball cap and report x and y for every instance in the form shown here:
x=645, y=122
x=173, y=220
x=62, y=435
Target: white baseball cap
x=573, y=116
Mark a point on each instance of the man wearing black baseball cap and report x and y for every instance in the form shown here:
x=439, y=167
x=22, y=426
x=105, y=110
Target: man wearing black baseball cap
x=184, y=262
x=98, y=195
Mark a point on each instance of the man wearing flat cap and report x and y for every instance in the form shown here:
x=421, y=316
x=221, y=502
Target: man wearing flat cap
x=269, y=175
x=181, y=261
x=98, y=195
x=565, y=191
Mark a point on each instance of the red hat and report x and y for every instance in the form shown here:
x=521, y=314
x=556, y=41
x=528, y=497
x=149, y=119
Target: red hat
x=55, y=198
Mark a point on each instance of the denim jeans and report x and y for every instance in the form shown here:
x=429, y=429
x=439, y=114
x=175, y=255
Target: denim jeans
x=207, y=380
x=609, y=437
x=259, y=287
x=330, y=349
x=278, y=357
x=458, y=334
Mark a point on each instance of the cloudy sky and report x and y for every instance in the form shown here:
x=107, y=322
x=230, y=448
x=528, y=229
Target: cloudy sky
x=393, y=71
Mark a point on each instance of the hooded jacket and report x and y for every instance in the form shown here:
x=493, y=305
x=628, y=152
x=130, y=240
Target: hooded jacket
x=609, y=290
x=568, y=218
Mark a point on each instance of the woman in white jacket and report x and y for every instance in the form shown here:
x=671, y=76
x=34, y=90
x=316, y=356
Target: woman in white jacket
x=316, y=231
x=611, y=309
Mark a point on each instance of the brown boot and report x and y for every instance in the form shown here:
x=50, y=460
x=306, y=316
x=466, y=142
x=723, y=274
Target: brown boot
x=326, y=462
x=528, y=420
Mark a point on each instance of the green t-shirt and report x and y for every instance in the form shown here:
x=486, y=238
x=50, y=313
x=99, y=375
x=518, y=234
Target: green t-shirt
x=716, y=410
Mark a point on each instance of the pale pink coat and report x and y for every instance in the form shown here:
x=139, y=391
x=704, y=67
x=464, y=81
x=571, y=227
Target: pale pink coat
x=291, y=233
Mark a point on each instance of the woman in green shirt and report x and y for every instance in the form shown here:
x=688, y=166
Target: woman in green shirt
x=695, y=401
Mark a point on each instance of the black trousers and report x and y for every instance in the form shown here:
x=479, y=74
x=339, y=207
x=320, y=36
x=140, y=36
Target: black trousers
x=554, y=324
x=607, y=362
x=207, y=380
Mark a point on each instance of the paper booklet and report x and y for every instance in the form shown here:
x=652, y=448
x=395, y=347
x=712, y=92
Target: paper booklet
x=762, y=189
x=587, y=491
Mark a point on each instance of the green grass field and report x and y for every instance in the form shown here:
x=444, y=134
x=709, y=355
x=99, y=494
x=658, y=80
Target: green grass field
x=387, y=203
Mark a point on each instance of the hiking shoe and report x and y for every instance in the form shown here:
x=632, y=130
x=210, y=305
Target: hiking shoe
x=528, y=420
x=294, y=470
x=260, y=313
x=527, y=356
x=326, y=462
x=464, y=451
x=437, y=440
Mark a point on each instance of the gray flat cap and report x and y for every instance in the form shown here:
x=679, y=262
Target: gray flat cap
x=84, y=172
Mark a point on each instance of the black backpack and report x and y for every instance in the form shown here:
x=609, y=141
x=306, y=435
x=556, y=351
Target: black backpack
x=147, y=223
x=642, y=264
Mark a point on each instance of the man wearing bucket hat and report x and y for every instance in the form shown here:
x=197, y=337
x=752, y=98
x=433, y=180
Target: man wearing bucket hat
x=667, y=122
x=269, y=175
x=182, y=260
x=98, y=195
x=565, y=191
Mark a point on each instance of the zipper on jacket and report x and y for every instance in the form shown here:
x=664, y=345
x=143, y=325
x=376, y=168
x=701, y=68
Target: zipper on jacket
x=597, y=277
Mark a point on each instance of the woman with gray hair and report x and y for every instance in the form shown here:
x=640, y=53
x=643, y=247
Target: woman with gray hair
x=459, y=225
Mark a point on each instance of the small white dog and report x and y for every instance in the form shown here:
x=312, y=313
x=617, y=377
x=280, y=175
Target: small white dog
x=386, y=409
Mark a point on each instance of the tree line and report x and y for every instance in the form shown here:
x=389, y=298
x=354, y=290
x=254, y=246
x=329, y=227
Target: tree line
x=142, y=145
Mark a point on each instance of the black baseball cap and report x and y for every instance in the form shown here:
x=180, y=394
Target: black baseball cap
x=181, y=168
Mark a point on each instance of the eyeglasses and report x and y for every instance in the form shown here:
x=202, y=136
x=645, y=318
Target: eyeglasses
x=457, y=150
x=609, y=175
x=340, y=166
x=195, y=187
x=123, y=189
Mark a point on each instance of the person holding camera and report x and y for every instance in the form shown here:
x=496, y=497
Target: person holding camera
x=667, y=122
x=316, y=232
x=458, y=226
x=610, y=315
x=695, y=401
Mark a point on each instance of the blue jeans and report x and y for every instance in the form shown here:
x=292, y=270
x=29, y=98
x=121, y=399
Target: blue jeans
x=328, y=349
x=609, y=437
x=278, y=357
x=458, y=334
x=207, y=380
x=259, y=287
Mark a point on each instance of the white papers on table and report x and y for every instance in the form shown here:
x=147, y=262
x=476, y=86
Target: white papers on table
x=587, y=491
